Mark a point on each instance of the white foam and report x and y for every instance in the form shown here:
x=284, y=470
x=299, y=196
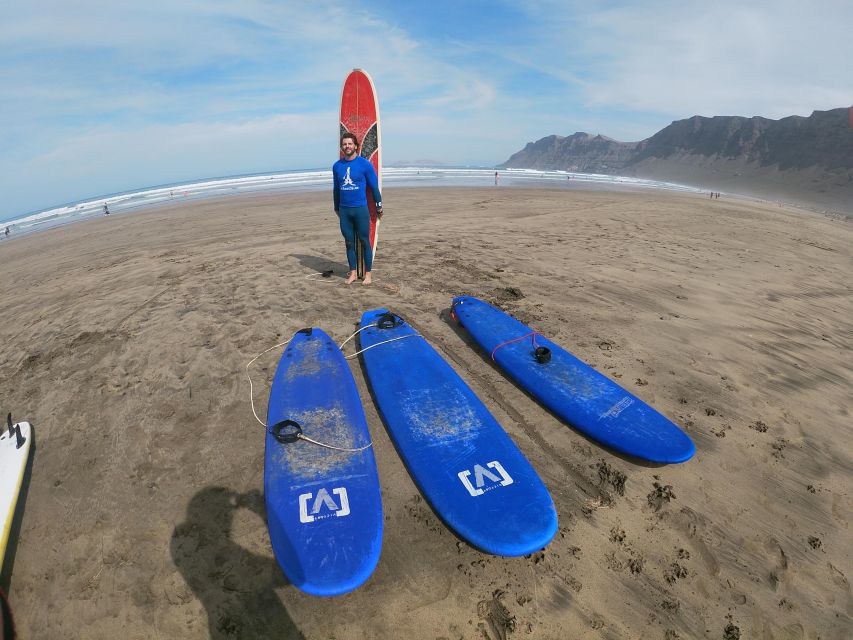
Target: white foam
x=316, y=180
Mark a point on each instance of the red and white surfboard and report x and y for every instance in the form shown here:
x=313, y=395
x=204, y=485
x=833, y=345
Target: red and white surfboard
x=360, y=115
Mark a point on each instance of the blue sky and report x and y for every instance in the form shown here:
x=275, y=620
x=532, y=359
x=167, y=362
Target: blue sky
x=99, y=97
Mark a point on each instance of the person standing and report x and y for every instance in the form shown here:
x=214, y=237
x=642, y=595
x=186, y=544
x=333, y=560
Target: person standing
x=352, y=175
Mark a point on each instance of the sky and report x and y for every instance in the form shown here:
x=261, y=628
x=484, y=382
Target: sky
x=99, y=97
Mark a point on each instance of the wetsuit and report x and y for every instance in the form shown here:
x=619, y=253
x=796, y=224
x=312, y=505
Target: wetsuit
x=351, y=179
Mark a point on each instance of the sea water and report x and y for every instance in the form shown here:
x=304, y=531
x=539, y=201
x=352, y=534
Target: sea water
x=317, y=180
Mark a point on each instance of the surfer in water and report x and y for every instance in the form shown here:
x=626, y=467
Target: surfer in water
x=351, y=176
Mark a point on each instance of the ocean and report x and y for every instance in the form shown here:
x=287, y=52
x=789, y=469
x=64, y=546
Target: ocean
x=317, y=180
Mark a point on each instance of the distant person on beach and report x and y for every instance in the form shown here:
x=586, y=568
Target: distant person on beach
x=7, y=232
x=106, y=209
x=351, y=176
x=497, y=178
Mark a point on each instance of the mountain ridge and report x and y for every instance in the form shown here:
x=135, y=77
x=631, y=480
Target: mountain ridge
x=807, y=160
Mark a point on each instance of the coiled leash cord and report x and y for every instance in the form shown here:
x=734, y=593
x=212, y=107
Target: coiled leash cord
x=541, y=354
x=385, y=321
x=289, y=431
x=278, y=429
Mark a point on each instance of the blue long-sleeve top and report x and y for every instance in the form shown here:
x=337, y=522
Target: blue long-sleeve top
x=351, y=179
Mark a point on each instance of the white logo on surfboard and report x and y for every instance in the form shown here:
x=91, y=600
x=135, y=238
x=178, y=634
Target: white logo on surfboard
x=616, y=409
x=324, y=505
x=348, y=184
x=485, y=480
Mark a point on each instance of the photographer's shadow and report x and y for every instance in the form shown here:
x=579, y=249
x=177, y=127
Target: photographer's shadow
x=236, y=586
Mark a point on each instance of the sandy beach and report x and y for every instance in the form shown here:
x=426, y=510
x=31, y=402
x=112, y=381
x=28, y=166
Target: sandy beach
x=126, y=338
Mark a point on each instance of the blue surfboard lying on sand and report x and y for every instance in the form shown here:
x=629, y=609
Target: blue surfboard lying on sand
x=591, y=402
x=461, y=459
x=324, y=507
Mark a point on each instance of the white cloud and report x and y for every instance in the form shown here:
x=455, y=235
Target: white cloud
x=770, y=58
x=109, y=98
x=114, y=96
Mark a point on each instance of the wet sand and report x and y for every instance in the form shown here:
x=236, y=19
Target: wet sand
x=125, y=341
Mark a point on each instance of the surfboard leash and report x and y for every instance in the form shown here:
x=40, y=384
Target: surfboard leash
x=289, y=431
x=276, y=429
x=251, y=386
x=375, y=324
x=328, y=273
x=541, y=354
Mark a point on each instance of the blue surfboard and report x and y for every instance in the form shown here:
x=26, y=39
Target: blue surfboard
x=460, y=458
x=324, y=507
x=589, y=401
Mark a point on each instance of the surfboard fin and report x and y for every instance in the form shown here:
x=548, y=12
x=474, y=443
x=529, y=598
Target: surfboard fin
x=13, y=428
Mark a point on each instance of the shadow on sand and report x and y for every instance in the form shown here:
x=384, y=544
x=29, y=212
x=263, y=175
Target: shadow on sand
x=320, y=264
x=236, y=586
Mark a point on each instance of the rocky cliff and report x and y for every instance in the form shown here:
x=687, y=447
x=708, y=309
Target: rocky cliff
x=801, y=159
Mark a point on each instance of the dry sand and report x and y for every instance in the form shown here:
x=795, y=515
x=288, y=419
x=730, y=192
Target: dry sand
x=125, y=340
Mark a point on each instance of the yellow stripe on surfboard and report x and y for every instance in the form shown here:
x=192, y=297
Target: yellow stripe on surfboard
x=13, y=463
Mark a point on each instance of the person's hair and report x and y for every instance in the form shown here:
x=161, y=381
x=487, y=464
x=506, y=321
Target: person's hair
x=351, y=136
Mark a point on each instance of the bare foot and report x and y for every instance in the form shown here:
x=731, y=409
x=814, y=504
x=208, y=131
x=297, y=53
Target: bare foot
x=367, y=279
x=351, y=277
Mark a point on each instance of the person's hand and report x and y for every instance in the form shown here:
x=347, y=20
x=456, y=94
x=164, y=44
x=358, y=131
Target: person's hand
x=379, y=212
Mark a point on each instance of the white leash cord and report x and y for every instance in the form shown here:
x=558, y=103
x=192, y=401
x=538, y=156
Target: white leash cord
x=300, y=435
x=251, y=386
x=328, y=446
x=378, y=344
x=411, y=335
x=341, y=346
